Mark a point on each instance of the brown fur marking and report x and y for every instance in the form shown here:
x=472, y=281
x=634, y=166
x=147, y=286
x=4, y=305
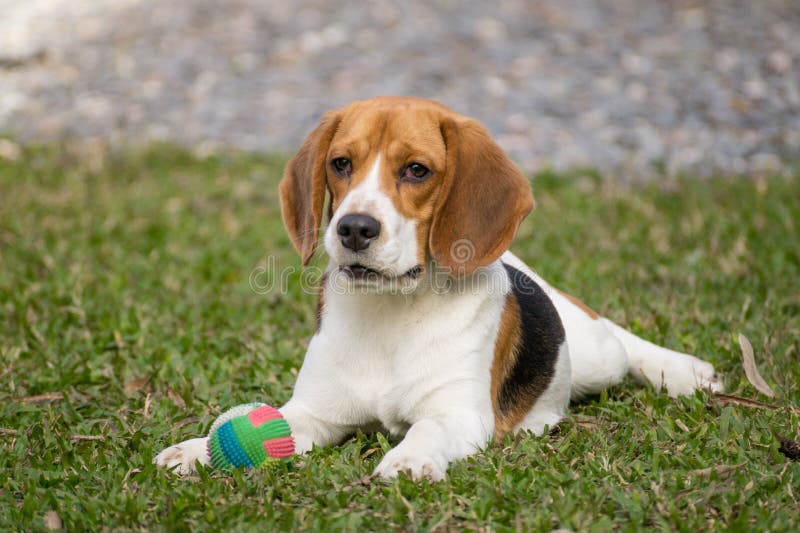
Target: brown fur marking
x=585, y=308
x=465, y=162
x=483, y=200
x=505, y=356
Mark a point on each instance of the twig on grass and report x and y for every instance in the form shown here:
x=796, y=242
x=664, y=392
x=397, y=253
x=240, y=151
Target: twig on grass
x=39, y=398
x=731, y=399
x=78, y=438
x=719, y=469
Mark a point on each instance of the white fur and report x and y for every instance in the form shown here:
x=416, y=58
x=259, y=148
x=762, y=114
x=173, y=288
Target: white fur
x=679, y=373
x=602, y=353
x=394, y=252
x=414, y=364
x=417, y=363
x=182, y=457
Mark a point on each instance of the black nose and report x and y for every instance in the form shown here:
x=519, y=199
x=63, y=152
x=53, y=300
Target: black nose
x=357, y=231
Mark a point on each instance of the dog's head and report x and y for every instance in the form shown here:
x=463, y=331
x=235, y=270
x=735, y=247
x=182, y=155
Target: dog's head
x=411, y=183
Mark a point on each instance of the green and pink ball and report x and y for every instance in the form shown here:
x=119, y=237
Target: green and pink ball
x=250, y=435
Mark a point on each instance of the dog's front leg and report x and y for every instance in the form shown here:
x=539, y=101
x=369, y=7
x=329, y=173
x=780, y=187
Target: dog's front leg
x=431, y=443
x=307, y=430
x=183, y=457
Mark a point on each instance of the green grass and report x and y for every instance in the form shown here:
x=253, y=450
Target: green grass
x=124, y=297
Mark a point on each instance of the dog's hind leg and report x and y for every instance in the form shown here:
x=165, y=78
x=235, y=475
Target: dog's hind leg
x=678, y=372
x=599, y=360
x=602, y=353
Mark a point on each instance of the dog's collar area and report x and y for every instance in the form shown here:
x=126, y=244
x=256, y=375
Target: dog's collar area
x=359, y=271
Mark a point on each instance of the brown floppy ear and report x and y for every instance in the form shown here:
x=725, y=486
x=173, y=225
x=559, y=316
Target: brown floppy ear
x=303, y=186
x=484, y=198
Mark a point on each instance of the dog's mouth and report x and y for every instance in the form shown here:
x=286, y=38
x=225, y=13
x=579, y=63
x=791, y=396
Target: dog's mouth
x=358, y=271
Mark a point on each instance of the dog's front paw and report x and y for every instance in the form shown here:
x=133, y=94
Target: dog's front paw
x=181, y=458
x=417, y=465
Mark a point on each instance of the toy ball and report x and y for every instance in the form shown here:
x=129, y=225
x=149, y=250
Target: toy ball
x=249, y=435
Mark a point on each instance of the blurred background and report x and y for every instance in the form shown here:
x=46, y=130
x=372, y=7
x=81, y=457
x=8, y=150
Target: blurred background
x=635, y=88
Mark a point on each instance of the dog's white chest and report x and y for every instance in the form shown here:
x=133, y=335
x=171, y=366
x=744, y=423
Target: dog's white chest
x=393, y=359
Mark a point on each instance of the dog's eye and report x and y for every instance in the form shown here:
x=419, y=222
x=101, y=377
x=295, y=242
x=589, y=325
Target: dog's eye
x=342, y=166
x=415, y=173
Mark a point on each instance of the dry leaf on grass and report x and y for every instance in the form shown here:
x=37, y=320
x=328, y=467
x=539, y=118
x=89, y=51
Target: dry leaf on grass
x=680, y=424
x=52, y=520
x=176, y=399
x=186, y=421
x=78, y=438
x=750, y=369
x=719, y=470
x=118, y=342
x=586, y=421
x=137, y=385
x=40, y=398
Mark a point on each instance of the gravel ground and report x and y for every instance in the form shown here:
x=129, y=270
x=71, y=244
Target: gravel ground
x=633, y=87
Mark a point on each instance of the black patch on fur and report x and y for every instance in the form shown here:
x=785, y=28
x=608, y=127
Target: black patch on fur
x=537, y=352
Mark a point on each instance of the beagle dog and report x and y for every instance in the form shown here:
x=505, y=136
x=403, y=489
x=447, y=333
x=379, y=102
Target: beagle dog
x=428, y=328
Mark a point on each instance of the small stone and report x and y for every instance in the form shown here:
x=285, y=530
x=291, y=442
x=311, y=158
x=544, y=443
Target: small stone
x=764, y=163
x=693, y=18
x=311, y=42
x=607, y=85
x=636, y=64
x=779, y=62
x=495, y=86
x=334, y=35
x=490, y=30
x=636, y=92
x=524, y=66
x=518, y=123
x=593, y=118
x=792, y=139
x=726, y=59
x=513, y=143
x=151, y=88
x=755, y=88
x=739, y=104
x=94, y=107
x=9, y=150
x=11, y=101
x=125, y=66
